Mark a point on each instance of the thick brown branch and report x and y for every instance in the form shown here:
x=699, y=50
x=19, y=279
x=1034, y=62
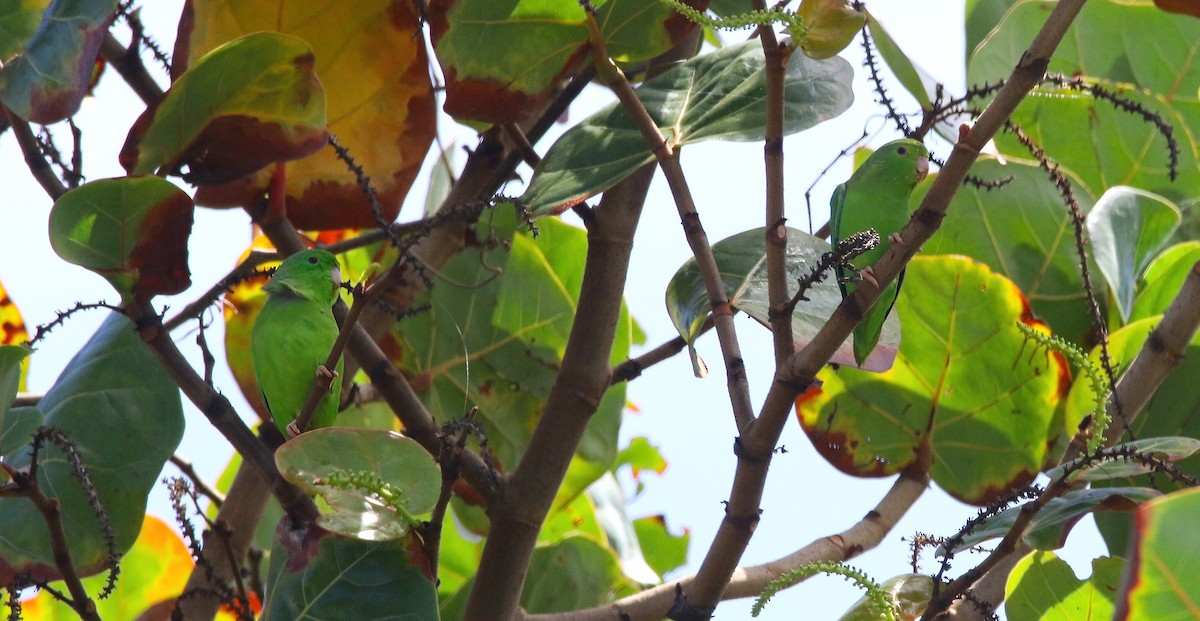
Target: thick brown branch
x=518, y=514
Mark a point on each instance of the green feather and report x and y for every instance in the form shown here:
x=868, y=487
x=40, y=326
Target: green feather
x=293, y=335
x=876, y=197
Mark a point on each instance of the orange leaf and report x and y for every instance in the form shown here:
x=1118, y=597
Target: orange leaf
x=371, y=59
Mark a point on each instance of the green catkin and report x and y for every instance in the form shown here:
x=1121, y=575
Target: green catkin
x=793, y=23
x=1097, y=379
x=879, y=597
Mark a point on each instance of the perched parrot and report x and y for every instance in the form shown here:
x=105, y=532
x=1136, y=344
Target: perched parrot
x=293, y=335
x=876, y=197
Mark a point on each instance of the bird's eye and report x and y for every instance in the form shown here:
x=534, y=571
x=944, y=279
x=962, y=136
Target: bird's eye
x=312, y=260
x=902, y=151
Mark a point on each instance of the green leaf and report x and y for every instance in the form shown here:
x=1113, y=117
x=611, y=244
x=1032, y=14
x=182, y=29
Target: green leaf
x=1150, y=65
x=920, y=84
x=1024, y=232
x=19, y=20
x=1127, y=228
x=315, y=576
x=12, y=360
x=1042, y=586
x=1166, y=449
x=908, y=593
x=965, y=388
x=717, y=96
x=17, y=429
x=1048, y=529
x=316, y=459
x=47, y=82
x=494, y=342
x=122, y=411
x=504, y=58
x=664, y=552
x=1163, y=564
x=575, y=573
x=640, y=455
x=251, y=102
x=1170, y=412
x=154, y=571
x=742, y=262
x=133, y=231
x=1164, y=278
x=981, y=17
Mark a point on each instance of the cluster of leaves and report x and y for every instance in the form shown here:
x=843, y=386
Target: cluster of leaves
x=257, y=91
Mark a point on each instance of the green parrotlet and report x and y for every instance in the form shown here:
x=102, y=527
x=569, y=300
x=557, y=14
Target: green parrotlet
x=293, y=336
x=876, y=197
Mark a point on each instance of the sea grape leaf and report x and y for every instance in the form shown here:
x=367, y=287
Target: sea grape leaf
x=1043, y=586
x=1164, y=449
x=1171, y=411
x=12, y=362
x=503, y=59
x=119, y=407
x=965, y=389
x=1163, y=279
x=471, y=349
x=47, y=82
x=830, y=26
x=921, y=85
x=133, y=231
x=371, y=59
x=1152, y=66
x=1164, y=561
x=19, y=20
x=315, y=575
x=663, y=550
x=1024, y=232
x=155, y=570
x=717, y=96
x=251, y=102
x=909, y=595
x=741, y=259
x=1048, y=529
x=1127, y=228
x=313, y=460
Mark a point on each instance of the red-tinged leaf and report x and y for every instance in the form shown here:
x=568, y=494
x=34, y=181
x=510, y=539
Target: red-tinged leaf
x=153, y=573
x=503, y=59
x=12, y=326
x=133, y=231
x=48, y=81
x=1163, y=570
x=251, y=102
x=371, y=60
x=1183, y=7
x=965, y=391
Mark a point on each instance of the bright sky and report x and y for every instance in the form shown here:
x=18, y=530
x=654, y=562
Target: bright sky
x=688, y=418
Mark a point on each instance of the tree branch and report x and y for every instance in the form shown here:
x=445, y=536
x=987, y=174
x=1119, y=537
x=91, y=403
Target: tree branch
x=757, y=443
x=653, y=604
x=517, y=516
x=776, y=230
x=128, y=63
x=219, y=412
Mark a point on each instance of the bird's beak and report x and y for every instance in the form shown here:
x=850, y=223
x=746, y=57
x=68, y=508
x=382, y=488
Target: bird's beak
x=336, y=275
x=922, y=167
